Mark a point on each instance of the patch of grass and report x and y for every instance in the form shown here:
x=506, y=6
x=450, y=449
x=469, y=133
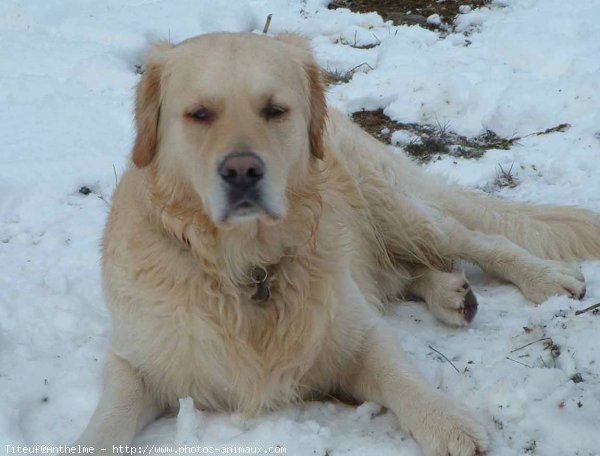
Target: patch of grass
x=374, y=122
x=433, y=141
x=342, y=77
x=428, y=148
x=355, y=43
x=409, y=12
x=505, y=177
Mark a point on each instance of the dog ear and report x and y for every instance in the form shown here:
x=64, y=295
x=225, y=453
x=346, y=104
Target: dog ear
x=318, y=109
x=318, y=105
x=147, y=107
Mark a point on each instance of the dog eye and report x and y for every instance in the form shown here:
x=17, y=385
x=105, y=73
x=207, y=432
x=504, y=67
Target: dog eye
x=201, y=115
x=272, y=111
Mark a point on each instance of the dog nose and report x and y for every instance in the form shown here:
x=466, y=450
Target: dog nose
x=242, y=170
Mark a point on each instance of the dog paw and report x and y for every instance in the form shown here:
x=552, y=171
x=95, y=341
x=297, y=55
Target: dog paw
x=449, y=430
x=452, y=300
x=551, y=278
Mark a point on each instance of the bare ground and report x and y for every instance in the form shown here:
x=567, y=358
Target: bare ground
x=409, y=12
x=432, y=141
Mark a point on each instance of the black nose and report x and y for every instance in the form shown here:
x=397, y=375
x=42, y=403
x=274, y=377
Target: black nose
x=242, y=170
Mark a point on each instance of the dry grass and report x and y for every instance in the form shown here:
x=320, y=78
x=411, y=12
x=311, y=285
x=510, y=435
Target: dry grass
x=341, y=77
x=505, y=177
x=409, y=12
x=435, y=140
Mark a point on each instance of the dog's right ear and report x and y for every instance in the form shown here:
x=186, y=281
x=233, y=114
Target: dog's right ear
x=147, y=106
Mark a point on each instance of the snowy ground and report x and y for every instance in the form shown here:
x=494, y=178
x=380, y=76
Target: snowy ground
x=66, y=75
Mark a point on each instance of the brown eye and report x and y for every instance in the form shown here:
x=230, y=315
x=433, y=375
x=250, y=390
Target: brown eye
x=201, y=115
x=272, y=111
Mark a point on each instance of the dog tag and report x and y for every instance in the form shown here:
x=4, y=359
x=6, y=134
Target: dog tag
x=260, y=276
x=262, y=292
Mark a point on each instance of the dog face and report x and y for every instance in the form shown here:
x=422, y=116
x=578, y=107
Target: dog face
x=238, y=117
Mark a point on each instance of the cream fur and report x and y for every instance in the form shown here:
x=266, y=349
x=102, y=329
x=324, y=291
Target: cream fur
x=355, y=229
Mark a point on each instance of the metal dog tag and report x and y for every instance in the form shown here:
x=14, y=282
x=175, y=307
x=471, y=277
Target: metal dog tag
x=260, y=276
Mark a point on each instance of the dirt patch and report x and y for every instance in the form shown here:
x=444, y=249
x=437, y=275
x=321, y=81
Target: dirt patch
x=426, y=142
x=409, y=12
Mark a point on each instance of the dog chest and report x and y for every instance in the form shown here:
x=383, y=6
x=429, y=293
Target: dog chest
x=250, y=365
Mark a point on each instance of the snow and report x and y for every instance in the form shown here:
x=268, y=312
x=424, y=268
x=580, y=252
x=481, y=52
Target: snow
x=515, y=67
x=403, y=138
x=434, y=19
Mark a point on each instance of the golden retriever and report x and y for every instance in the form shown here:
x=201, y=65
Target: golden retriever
x=255, y=239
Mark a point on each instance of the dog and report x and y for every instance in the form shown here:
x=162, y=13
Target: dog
x=256, y=237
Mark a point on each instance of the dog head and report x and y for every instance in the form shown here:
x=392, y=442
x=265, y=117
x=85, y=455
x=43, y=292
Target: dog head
x=238, y=117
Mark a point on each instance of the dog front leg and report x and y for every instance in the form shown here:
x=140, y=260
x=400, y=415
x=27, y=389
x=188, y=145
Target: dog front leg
x=384, y=376
x=537, y=278
x=125, y=407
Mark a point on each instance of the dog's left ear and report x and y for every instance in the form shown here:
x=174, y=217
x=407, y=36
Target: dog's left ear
x=147, y=106
x=318, y=109
x=318, y=105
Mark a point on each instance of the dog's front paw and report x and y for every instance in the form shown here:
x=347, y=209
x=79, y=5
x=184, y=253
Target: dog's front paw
x=551, y=278
x=448, y=430
x=451, y=300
